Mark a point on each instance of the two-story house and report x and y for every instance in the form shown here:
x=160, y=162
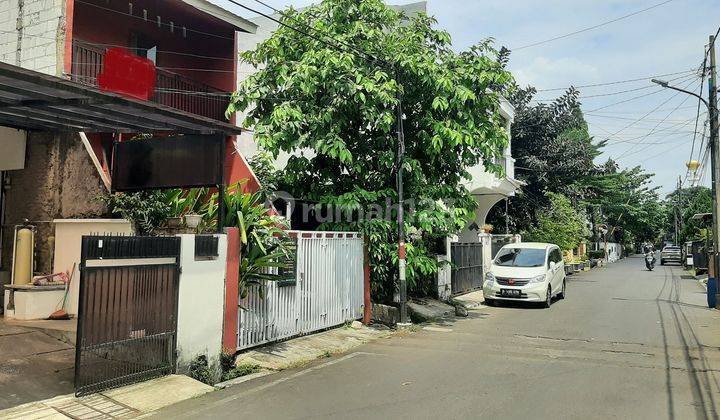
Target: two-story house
x=50, y=167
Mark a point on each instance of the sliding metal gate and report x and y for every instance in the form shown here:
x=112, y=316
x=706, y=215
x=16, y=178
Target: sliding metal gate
x=467, y=272
x=327, y=291
x=127, y=315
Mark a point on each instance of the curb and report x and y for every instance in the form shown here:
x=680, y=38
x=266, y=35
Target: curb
x=246, y=378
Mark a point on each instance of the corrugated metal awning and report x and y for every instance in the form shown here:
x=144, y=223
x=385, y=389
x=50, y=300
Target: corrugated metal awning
x=35, y=101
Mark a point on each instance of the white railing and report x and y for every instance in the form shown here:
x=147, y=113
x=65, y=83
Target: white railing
x=328, y=291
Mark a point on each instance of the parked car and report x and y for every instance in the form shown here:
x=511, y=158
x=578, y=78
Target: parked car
x=528, y=272
x=671, y=254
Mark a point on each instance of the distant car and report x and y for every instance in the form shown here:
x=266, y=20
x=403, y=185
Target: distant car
x=528, y=272
x=671, y=254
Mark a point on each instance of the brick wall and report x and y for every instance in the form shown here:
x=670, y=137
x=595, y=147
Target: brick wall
x=34, y=34
x=59, y=181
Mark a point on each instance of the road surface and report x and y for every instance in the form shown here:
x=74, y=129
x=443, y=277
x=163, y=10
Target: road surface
x=626, y=343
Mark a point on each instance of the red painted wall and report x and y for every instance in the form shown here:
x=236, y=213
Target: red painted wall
x=232, y=274
x=102, y=26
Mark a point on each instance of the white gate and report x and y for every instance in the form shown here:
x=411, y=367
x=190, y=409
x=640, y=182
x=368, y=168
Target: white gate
x=327, y=291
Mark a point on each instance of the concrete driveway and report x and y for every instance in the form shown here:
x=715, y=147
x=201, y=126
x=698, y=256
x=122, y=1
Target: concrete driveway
x=35, y=363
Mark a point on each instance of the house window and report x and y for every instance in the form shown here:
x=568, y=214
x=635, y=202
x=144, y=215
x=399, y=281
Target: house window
x=143, y=46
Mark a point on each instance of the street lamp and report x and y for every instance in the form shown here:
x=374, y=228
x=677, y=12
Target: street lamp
x=712, y=107
x=667, y=85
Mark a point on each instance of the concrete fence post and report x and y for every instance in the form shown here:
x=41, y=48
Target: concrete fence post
x=232, y=292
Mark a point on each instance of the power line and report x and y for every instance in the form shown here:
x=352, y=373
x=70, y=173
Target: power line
x=629, y=119
x=618, y=82
x=286, y=16
x=647, y=114
x=681, y=78
x=592, y=27
x=158, y=23
x=626, y=154
x=639, y=112
x=601, y=95
x=629, y=100
x=697, y=117
x=661, y=131
x=358, y=52
x=97, y=44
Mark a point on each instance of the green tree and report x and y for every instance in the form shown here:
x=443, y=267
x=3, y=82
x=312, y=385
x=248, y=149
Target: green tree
x=625, y=201
x=560, y=224
x=695, y=200
x=553, y=151
x=341, y=106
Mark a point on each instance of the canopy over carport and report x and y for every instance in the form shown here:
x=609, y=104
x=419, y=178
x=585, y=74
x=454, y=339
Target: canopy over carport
x=35, y=101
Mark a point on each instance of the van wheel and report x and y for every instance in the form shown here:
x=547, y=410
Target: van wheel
x=548, y=298
x=562, y=293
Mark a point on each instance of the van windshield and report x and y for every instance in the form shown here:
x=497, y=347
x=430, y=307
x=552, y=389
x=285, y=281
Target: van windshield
x=520, y=257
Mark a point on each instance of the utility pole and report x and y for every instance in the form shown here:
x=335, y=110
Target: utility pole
x=677, y=210
x=401, y=214
x=712, y=105
x=714, y=155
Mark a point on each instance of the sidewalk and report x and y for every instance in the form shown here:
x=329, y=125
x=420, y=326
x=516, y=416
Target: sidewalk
x=298, y=351
x=472, y=300
x=127, y=402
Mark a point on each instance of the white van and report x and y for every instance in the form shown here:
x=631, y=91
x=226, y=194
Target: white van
x=529, y=272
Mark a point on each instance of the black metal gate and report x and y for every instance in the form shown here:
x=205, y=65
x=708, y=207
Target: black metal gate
x=467, y=272
x=499, y=241
x=127, y=315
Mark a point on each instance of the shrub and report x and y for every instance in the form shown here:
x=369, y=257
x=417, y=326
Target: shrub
x=599, y=254
x=200, y=371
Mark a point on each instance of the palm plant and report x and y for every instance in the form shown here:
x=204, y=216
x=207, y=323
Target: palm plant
x=266, y=250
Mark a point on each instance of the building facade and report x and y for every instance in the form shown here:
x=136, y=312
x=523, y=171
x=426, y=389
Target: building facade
x=61, y=174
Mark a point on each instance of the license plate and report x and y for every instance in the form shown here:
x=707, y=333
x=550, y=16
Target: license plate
x=510, y=293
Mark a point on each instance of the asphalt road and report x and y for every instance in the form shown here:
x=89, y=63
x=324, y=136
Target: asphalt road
x=626, y=343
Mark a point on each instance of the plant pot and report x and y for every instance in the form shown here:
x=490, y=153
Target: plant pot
x=174, y=222
x=193, y=220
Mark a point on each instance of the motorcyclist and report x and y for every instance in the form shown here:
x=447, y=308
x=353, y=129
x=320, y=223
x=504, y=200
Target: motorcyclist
x=649, y=252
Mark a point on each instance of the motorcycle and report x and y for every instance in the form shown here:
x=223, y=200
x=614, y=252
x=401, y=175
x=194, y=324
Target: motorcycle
x=650, y=261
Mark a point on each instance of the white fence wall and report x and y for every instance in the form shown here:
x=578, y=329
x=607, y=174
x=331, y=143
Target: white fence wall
x=327, y=292
x=614, y=250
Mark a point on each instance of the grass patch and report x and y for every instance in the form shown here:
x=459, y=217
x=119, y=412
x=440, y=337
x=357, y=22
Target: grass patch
x=325, y=355
x=241, y=370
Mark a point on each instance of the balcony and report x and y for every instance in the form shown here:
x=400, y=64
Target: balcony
x=172, y=89
x=508, y=164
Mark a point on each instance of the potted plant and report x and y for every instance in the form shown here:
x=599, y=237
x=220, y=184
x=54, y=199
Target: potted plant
x=569, y=270
x=192, y=220
x=193, y=203
x=174, y=198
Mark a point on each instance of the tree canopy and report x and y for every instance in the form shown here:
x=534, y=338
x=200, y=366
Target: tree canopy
x=690, y=201
x=560, y=223
x=331, y=103
x=556, y=154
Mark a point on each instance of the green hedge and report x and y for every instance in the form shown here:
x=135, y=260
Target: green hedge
x=596, y=254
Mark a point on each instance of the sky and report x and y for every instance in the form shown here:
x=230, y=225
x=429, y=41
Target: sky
x=670, y=38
